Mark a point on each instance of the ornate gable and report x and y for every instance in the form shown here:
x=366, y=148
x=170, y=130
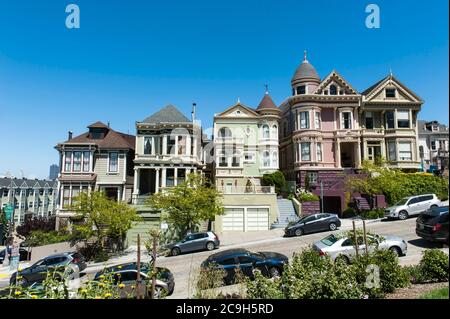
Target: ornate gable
x=238, y=111
x=390, y=89
x=342, y=86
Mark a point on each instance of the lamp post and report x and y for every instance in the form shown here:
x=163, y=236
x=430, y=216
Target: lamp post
x=321, y=196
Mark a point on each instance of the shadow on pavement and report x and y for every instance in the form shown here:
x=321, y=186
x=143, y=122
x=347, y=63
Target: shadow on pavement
x=422, y=243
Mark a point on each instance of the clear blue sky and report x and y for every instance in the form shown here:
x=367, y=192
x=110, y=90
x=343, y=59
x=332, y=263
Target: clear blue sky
x=130, y=58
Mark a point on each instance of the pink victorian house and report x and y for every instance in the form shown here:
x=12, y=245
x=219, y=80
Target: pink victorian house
x=327, y=128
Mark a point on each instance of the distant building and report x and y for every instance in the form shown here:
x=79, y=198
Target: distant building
x=54, y=171
x=29, y=196
x=433, y=145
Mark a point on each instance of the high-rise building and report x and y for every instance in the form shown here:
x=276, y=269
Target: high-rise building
x=54, y=171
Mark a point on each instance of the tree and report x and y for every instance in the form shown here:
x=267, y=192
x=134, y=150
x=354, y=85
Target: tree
x=276, y=179
x=188, y=204
x=101, y=219
x=36, y=224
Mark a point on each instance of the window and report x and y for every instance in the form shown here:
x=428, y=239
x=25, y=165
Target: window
x=319, y=152
x=305, y=148
x=249, y=158
x=224, y=132
x=390, y=119
x=390, y=93
x=312, y=176
x=301, y=89
x=148, y=145
x=275, y=159
x=433, y=145
x=113, y=162
x=236, y=161
x=223, y=161
x=317, y=121
x=228, y=261
x=128, y=276
x=75, y=192
x=66, y=196
x=67, y=161
x=245, y=260
x=170, y=144
x=304, y=120
x=76, y=161
x=275, y=131
x=403, y=119
x=404, y=151
x=421, y=151
x=347, y=120
x=392, y=153
x=266, y=131
x=181, y=145
x=333, y=90
x=266, y=159
x=86, y=161
x=369, y=120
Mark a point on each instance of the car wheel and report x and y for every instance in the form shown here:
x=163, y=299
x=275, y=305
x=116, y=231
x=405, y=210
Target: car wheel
x=332, y=226
x=160, y=292
x=175, y=251
x=433, y=206
x=344, y=259
x=210, y=246
x=396, y=251
x=274, y=272
x=298, y=232
x=403, y=215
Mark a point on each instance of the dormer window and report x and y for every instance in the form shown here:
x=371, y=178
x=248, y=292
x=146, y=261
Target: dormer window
x=435, y=128
x=97, y=133
x=301, y=89
x=333, y=90
x=390, y=93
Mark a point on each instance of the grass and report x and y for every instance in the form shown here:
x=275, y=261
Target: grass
x=439, y=293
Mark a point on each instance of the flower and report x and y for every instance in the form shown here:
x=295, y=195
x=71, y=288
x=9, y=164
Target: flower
x=98, y=297
x=121, y=286
x=18, y=293
x=107, y=295
x=34, y=297
x=119, y=267
x=101, y=277
x=19, y=269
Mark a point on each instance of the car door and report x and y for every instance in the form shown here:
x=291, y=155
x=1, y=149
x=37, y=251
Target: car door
x=348, y=248
x=246, y=264
x=426, y=202
x=39, y=270
x=229, y=266
x=128, y=278
x=321, y=222
x=414, y=206
x=309, y=224
x=199, y=241
x=188, y=243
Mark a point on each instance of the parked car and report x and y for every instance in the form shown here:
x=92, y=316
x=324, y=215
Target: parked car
x=432, y=224
x=127, y=275
x=313, y=223
x=38, y=271
x=194, y=242
x=269, y=263
x=343, y=247
x=23, y=254
x=410, y=206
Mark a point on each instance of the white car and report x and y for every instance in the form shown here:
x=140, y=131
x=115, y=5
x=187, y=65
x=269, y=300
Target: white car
x=410, y=206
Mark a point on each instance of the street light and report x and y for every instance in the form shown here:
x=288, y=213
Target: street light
x=321, y=196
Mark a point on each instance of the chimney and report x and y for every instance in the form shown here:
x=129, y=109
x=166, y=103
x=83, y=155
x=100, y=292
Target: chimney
x=70, y=135
x=193, y=111
x=108, y=123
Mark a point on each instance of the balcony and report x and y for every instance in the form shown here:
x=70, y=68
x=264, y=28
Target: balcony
x=242, y=190
x=372, y=132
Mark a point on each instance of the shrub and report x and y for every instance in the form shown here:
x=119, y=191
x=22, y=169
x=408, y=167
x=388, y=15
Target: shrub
x=264, y=288
x=208, y=279
x=308, y=197
x=373, y=214
x=36, y=224
x=40, y=238
x=276, y=179
x=349, y=212
x=414, y=274
x=434, y=265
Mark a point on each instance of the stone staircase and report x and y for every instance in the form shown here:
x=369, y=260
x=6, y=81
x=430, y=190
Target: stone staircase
x=286, y=213
x=363, y=203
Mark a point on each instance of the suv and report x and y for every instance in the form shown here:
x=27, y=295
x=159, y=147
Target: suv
x=432, y=225
x=195, y=241
x=410, y=206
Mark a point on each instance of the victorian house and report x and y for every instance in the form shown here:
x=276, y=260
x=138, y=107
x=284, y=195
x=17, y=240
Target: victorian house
x=433, y=146
x=100, y=159
x=246, y=148
x=328, y=128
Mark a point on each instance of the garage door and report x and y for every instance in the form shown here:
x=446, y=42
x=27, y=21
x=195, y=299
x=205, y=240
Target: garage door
x=233, y=219
x=257, y=219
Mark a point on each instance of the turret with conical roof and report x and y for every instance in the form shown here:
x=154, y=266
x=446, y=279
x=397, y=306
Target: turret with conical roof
x=305, y=78
x=267, y=106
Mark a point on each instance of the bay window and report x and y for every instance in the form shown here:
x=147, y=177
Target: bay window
x=304, y=120
x=66, y=196
x=305, y=150
x=266, y=131
x=317, y=121
x=347, y=120
x=266, y=159
x=403, y=119
x=86, y=161
x=275, y=159
x=113, y=166
x=77, y=161
x=319, y=152
x=392, y=152
x=148, y=145
x=67, y=161
x=404, y=151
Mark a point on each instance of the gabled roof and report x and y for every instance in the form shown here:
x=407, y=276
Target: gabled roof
x=335, y=76
x=378, y=86
x=266, y=103
x=25, y=183
x=238, y=105
x=98, y=124
x=168, y=114
x=423, y=130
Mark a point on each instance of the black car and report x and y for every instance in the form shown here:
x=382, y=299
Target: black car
x=24, y=255
x=126, y=274
x=313, y=223
x=38, y=271
x=432, y=224
x=269, y=263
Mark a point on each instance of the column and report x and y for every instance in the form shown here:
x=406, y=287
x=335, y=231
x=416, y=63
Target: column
x=296, y=120
x=176, y=145
x=153, y=145
x=118, y=193
x=157, y=181
x=164, y=150
x=194, y=140
x=175, y=176
x=163, y=177
x=136, y=181
x=188, y=145
x=334, y=118
x=358, y=154
x=188, y=171
x=337, y=154
x=91, y=162
x=61, y=198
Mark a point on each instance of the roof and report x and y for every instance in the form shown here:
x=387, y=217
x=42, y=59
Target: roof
x=228, y=252
x=168, y=114
x=443, y=129
x=111, y=140
x=305, y=71
x=5, y=182
x=266, y=103
x=368, y=90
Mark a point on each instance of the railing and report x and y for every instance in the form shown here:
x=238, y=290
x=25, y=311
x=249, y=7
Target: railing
x=247, y=189
x=372, y=131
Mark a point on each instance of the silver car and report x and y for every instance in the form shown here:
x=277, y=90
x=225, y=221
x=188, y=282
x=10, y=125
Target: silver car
x=193, y=242
x=413, y=205
x=342, y=247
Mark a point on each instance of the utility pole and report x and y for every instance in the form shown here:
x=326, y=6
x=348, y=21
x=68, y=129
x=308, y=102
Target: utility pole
x=321, y=196
x=138, y=278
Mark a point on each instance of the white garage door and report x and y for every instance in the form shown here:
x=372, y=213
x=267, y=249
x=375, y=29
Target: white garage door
x=257, y=219
x=233, y=219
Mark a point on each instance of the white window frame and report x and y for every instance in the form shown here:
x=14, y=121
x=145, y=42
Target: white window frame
x=274, y=131
x=67, y=160
x=343, y=120
x=431, y=145
x=309, y=151
x=399, y=117
x=319, y=152
x=264, y=126
x=317, y=120
x=410, y=158
x=304, y=122
x=274, y=159
x=109, y=162
x=265, y=159
x=80, y=161
x=252, y=158
x=83, y=158
x=391, y=152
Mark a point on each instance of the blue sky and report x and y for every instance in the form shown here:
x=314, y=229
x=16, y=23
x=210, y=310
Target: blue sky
x=130, y=58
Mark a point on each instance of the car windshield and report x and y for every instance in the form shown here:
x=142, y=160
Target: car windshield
x=403, y=201
x=329, y=240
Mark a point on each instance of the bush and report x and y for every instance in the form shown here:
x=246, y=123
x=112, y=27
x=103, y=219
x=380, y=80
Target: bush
x=40, y=238
x=349, y=212
x=276, y=179
x=373, y=214
x=434, y=265
x=36, y=224
x=308, y=197
x=414, y=274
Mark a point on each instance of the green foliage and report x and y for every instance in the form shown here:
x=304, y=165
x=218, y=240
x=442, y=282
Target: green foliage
x=188, y=204
x=264, y=288
x=307, y=182
x=434, y=265
x=395, y=184
x=414, y=273
x=439, y=293
x=209, y=279
x=308, y=197
x=391, y=274
x=276, y=179
x=40, y=238
x=349, y=212
x=373, y=214
x=290, y=196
